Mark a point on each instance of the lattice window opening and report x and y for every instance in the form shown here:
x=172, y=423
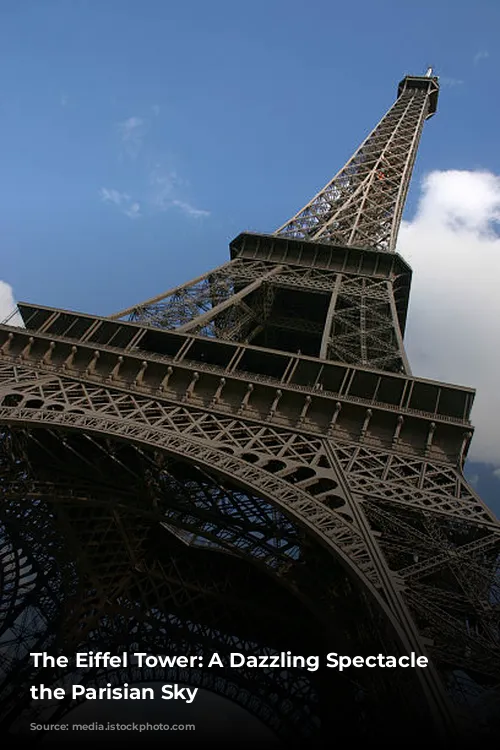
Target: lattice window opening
x=159, y=415
x=233, y=324
x=14, y=560
x=228, y=505
x=240, y=510
x=452, y=647
x=470, y=598
x=451, y=653
x=439, y=535
x=446, y=600
x=182, y=308
x=23, y=510
x=260, y=315
x=401, y=474
x=121, y=403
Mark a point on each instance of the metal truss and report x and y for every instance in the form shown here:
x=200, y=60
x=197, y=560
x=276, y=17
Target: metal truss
x=253, y=302
x=130, y=571
x=410, y=530
x=172, y=598
x=353, y=315
x=363, y=204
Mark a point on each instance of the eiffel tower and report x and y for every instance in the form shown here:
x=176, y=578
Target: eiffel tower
x=245, y=463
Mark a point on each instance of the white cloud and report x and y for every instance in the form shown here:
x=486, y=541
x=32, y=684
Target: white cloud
x=453, y=329
x=496, y=473
x=134, y=211
x=113, y=196
x=131, y=133
x=164, y=184
x=189, y=210
x=8, y=308
x=481, y=55
x=162, y=198
x=130, y=208
x=446, y=81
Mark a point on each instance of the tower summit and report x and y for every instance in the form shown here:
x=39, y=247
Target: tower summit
x=245, y=463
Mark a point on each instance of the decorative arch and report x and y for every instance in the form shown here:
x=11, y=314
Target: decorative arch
x=322, y=522
x=284, y=486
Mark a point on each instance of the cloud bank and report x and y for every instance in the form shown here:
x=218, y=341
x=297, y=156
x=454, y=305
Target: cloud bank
x=8, y=307
x=453, y=333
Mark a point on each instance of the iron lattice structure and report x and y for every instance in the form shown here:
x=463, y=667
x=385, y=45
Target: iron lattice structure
x=246, y=463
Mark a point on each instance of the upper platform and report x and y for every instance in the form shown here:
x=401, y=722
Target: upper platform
x=424, y=83
x=348, y=260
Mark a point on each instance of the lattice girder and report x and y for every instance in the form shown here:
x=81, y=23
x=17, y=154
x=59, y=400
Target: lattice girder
x=332, y=400
x=87, y=550
x=358, y=320
x=173, y=584
x=264, y=446
x=361, y=207
x=363, y=204
x=263, y=412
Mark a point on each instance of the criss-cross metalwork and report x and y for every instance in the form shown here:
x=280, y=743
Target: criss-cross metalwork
x=363, y=204
x=246, y=463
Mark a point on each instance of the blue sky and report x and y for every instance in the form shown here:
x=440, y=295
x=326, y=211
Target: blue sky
x=258, y=105
x=138, y=138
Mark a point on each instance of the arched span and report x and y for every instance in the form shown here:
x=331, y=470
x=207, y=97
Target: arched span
x=313, y=597
x=340, y=535
x=322, y=523
x=190, y=460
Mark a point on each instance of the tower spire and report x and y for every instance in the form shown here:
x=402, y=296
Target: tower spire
x=363, y=204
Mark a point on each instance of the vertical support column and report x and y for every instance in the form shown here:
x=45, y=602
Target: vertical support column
x=325, y=340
